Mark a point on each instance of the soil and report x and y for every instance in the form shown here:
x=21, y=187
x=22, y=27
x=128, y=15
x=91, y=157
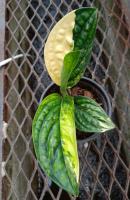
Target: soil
x=80, y=91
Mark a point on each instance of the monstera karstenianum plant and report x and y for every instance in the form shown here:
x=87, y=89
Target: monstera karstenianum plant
x=67, y=53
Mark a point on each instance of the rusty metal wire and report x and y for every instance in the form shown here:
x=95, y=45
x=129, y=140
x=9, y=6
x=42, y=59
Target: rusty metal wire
x=104, y=162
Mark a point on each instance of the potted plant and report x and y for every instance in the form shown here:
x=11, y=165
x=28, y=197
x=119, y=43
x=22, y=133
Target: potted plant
x=67, y=53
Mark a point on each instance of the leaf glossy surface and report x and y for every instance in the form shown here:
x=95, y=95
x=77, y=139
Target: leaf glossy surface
x=48, y=139
x=90, y=116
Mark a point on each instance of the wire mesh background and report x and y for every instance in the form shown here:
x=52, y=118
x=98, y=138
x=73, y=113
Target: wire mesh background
x=104, y=162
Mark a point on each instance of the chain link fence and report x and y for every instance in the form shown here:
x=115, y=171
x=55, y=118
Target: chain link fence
x=105, y=161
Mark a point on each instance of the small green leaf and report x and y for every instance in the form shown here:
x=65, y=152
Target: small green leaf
x=90, y=116
x=48, y=138
x=70, y=61
x=83, y=36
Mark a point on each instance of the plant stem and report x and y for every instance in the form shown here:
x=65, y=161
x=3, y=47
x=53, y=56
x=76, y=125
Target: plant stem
x=63, y=91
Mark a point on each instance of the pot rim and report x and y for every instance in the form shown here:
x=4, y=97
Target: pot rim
x=104, y=93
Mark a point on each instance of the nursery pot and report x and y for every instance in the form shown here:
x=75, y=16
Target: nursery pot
x=99, y=95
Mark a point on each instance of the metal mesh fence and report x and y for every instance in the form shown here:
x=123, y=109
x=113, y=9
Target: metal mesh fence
x=104, y=162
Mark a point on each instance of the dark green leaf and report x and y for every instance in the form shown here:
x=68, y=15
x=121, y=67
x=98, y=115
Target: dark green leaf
x=83, y=36
x=48, y=139
x=90, y=117
x=85, y=27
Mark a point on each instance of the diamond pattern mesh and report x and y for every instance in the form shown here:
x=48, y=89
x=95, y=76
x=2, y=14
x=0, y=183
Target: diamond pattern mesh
x=104, y=162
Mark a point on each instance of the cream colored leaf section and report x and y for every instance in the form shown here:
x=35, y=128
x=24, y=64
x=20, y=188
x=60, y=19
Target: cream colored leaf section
x=58, y=44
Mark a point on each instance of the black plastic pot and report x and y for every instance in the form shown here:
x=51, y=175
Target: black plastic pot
x=100, y=96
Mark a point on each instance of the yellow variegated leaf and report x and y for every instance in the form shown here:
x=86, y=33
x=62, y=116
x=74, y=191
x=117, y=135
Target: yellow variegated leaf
x=58, y=44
